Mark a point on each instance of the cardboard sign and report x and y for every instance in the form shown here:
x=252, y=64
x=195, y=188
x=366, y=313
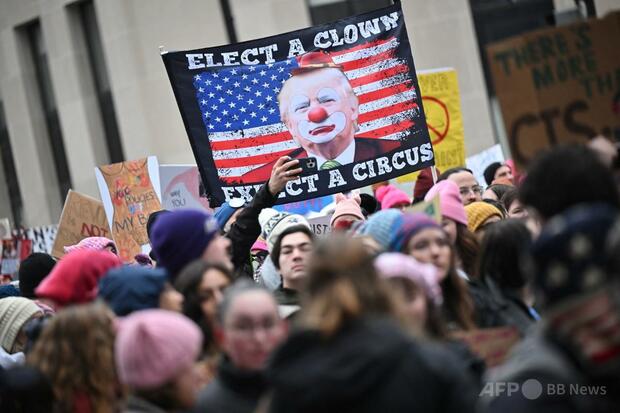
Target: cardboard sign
x=5, y=228
x=180, y=188
x=320, y=225
x=478, y=162
x=344, y=93
x=491, y=344
x=82, y=217
x=558, y=85
x=10, y=256
x=430, y=208
x=442, y=107
x=130, y=192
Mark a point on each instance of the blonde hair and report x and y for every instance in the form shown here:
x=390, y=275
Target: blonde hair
x=76, y=353
x=343, y=286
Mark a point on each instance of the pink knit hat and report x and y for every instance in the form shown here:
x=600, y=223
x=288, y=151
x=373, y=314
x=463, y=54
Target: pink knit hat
x=449, y=201
x=153, y=346
x=259, y=245
x=347, y=206
x=397, y=265
x=92, y=243
x=389, y=196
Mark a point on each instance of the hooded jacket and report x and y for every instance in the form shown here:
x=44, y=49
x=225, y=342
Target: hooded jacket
x=369, y=366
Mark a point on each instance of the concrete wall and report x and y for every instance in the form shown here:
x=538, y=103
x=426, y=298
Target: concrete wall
x=605, y=6
x=147, y=115
x=442, y=34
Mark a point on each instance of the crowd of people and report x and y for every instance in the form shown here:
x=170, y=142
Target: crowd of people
x=247, y=310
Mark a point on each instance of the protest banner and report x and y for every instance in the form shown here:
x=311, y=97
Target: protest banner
x=477, y=163
x=344, y=93
x=130, y=192
x=558, y=85
x=180, y=188
x=82, y=217
x=442, y=107
x=42, y=238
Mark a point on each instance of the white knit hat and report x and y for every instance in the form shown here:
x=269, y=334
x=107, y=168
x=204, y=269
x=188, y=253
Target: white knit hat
x=14, y=313
x=273, y=223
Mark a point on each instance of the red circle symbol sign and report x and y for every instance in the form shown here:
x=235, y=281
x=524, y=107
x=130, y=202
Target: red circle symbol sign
x=437, y=118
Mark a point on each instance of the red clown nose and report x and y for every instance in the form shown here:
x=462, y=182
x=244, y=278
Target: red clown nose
x=317, y=114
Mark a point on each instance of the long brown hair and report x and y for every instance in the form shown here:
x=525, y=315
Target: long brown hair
x=76, y=353
x=343, y=286
x=457, y=302
x=467, y=248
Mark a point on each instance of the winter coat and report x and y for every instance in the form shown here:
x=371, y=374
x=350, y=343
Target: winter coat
x=368, y=366
x=543, y=366
x=288, y=302
x=137, y=405
x=498, y=308
x=232, y=391
x=246, y=229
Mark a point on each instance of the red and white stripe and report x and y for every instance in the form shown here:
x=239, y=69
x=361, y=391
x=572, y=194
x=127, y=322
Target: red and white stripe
x=385, y=93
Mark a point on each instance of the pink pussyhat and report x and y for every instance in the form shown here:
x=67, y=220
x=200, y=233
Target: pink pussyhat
x=397, y=265
x=449, y=201
x=259, y=245
x=92, y=243
x=389, y=196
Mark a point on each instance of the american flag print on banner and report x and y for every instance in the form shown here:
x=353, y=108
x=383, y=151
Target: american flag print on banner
x=233, y=115
x=241, y=114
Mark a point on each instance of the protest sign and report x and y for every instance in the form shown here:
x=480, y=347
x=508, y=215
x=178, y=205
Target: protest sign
x=477, y=163
x=42, y=238
x=81, y=217
x=130, y=192
x=307, y=206
x=558, y=85
x=5, y=228
x=490, y=344
x=442, y=107
x=430, y=208
x=10, y=256
x=320, y=225
x=343, y=93
x=180, y=188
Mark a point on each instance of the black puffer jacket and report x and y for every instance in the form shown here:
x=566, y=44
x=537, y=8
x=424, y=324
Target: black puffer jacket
x=498, y=308
x=370, y=366
x=246, y=229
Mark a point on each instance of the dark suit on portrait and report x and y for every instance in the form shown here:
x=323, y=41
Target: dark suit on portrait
x=365, y=148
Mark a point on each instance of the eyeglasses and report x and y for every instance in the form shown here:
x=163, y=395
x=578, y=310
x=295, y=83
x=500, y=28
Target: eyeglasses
x=249, y=328
x=476, y=189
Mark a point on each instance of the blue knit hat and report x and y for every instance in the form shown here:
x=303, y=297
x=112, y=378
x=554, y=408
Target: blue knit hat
x=9, y=290
x=569, y=256
x=223, y=214
x=132, y=288
x=180, y=237
x=382, y=225
x=411, y=224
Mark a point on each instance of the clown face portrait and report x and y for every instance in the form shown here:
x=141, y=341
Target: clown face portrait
x=320, y=110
